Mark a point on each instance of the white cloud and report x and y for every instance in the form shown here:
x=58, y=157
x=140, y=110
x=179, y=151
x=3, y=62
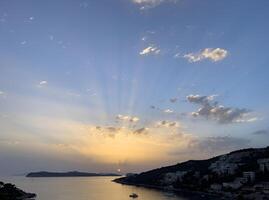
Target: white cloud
x=150, y=50
x=214, y=55
x=41, y=83
x=23, y=42
x=177, y=55
x=168, y=111
x=2, y=94
x=127, y=118
x=146, y=4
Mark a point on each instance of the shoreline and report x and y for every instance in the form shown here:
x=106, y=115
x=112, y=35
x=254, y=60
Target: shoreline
x=182, y=191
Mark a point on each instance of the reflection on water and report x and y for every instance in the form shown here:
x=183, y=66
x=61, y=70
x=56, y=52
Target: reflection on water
x=88, y=188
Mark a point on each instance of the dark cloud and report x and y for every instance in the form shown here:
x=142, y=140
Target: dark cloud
x=143, y=130
x=152, y=107
x=165, y=123
x=173, y=100
x=261, y=132
x=210, y=109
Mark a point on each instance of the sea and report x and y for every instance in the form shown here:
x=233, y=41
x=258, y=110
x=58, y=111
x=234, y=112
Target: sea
x=91, y=188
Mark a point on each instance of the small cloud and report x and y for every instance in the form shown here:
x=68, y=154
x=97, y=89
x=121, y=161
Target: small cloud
x=51, y=37
x=150, y=50
x=2, y=94
x=31, y=18
x=173, y=100
x=134, y=119
x=214, y=55
x=147, y=4
x=143, y=130
x=177, y=55
x=23, y=42
x=43, y=83
x=84, y=5
x=167, y=124
x=144, y=38
x=152, y=107
x=168, y=111
x=127, y=118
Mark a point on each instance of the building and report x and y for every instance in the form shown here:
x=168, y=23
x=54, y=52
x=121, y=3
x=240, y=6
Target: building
x=232, y=185
x=170, y=178
x=264, y=164
x=216, y=187
x=250, y=176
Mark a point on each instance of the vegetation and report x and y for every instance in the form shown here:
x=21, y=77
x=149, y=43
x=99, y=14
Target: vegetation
x=11, y=192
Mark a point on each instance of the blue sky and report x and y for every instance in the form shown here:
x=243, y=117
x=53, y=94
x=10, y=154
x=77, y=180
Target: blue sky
x=136, y=72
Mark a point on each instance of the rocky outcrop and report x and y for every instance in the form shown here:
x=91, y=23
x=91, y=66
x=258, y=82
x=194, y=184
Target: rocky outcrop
x=11, y=192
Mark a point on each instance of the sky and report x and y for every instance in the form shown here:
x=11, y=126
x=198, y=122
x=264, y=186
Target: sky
x=130, y=85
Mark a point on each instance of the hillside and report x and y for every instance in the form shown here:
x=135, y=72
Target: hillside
x=235, y=173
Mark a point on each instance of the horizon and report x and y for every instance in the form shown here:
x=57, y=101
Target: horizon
x=126, y=86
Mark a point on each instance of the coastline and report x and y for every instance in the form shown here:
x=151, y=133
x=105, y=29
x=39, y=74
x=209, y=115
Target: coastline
x=175, y=190
x=9, y=191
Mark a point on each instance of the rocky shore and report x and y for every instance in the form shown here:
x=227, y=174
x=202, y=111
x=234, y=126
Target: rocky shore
x=9, y=191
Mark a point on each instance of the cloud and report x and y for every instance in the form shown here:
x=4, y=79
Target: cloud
x=127, y=118
x=151, y=50
x=147, y=4
x=261, y=132
x=143, y=130
x=214, y=55
x=42, y=83
x=173, y=100
x=23, y=42
x=177, y=55
x=211, y=109
x=3, y=94
x=167, y=124
x=168, y=111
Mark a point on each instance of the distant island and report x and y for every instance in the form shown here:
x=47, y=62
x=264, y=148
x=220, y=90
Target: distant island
x=11, y=192
x=68, y=174
x=242, y=174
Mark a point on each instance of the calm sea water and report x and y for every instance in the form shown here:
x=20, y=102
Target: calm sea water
x=89, y=188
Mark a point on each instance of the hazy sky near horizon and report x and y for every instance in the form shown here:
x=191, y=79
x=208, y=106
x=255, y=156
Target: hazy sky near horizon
x=130, y=85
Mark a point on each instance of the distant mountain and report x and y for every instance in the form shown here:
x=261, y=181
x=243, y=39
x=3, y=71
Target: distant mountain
x=68, y=174
x=242, y=172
